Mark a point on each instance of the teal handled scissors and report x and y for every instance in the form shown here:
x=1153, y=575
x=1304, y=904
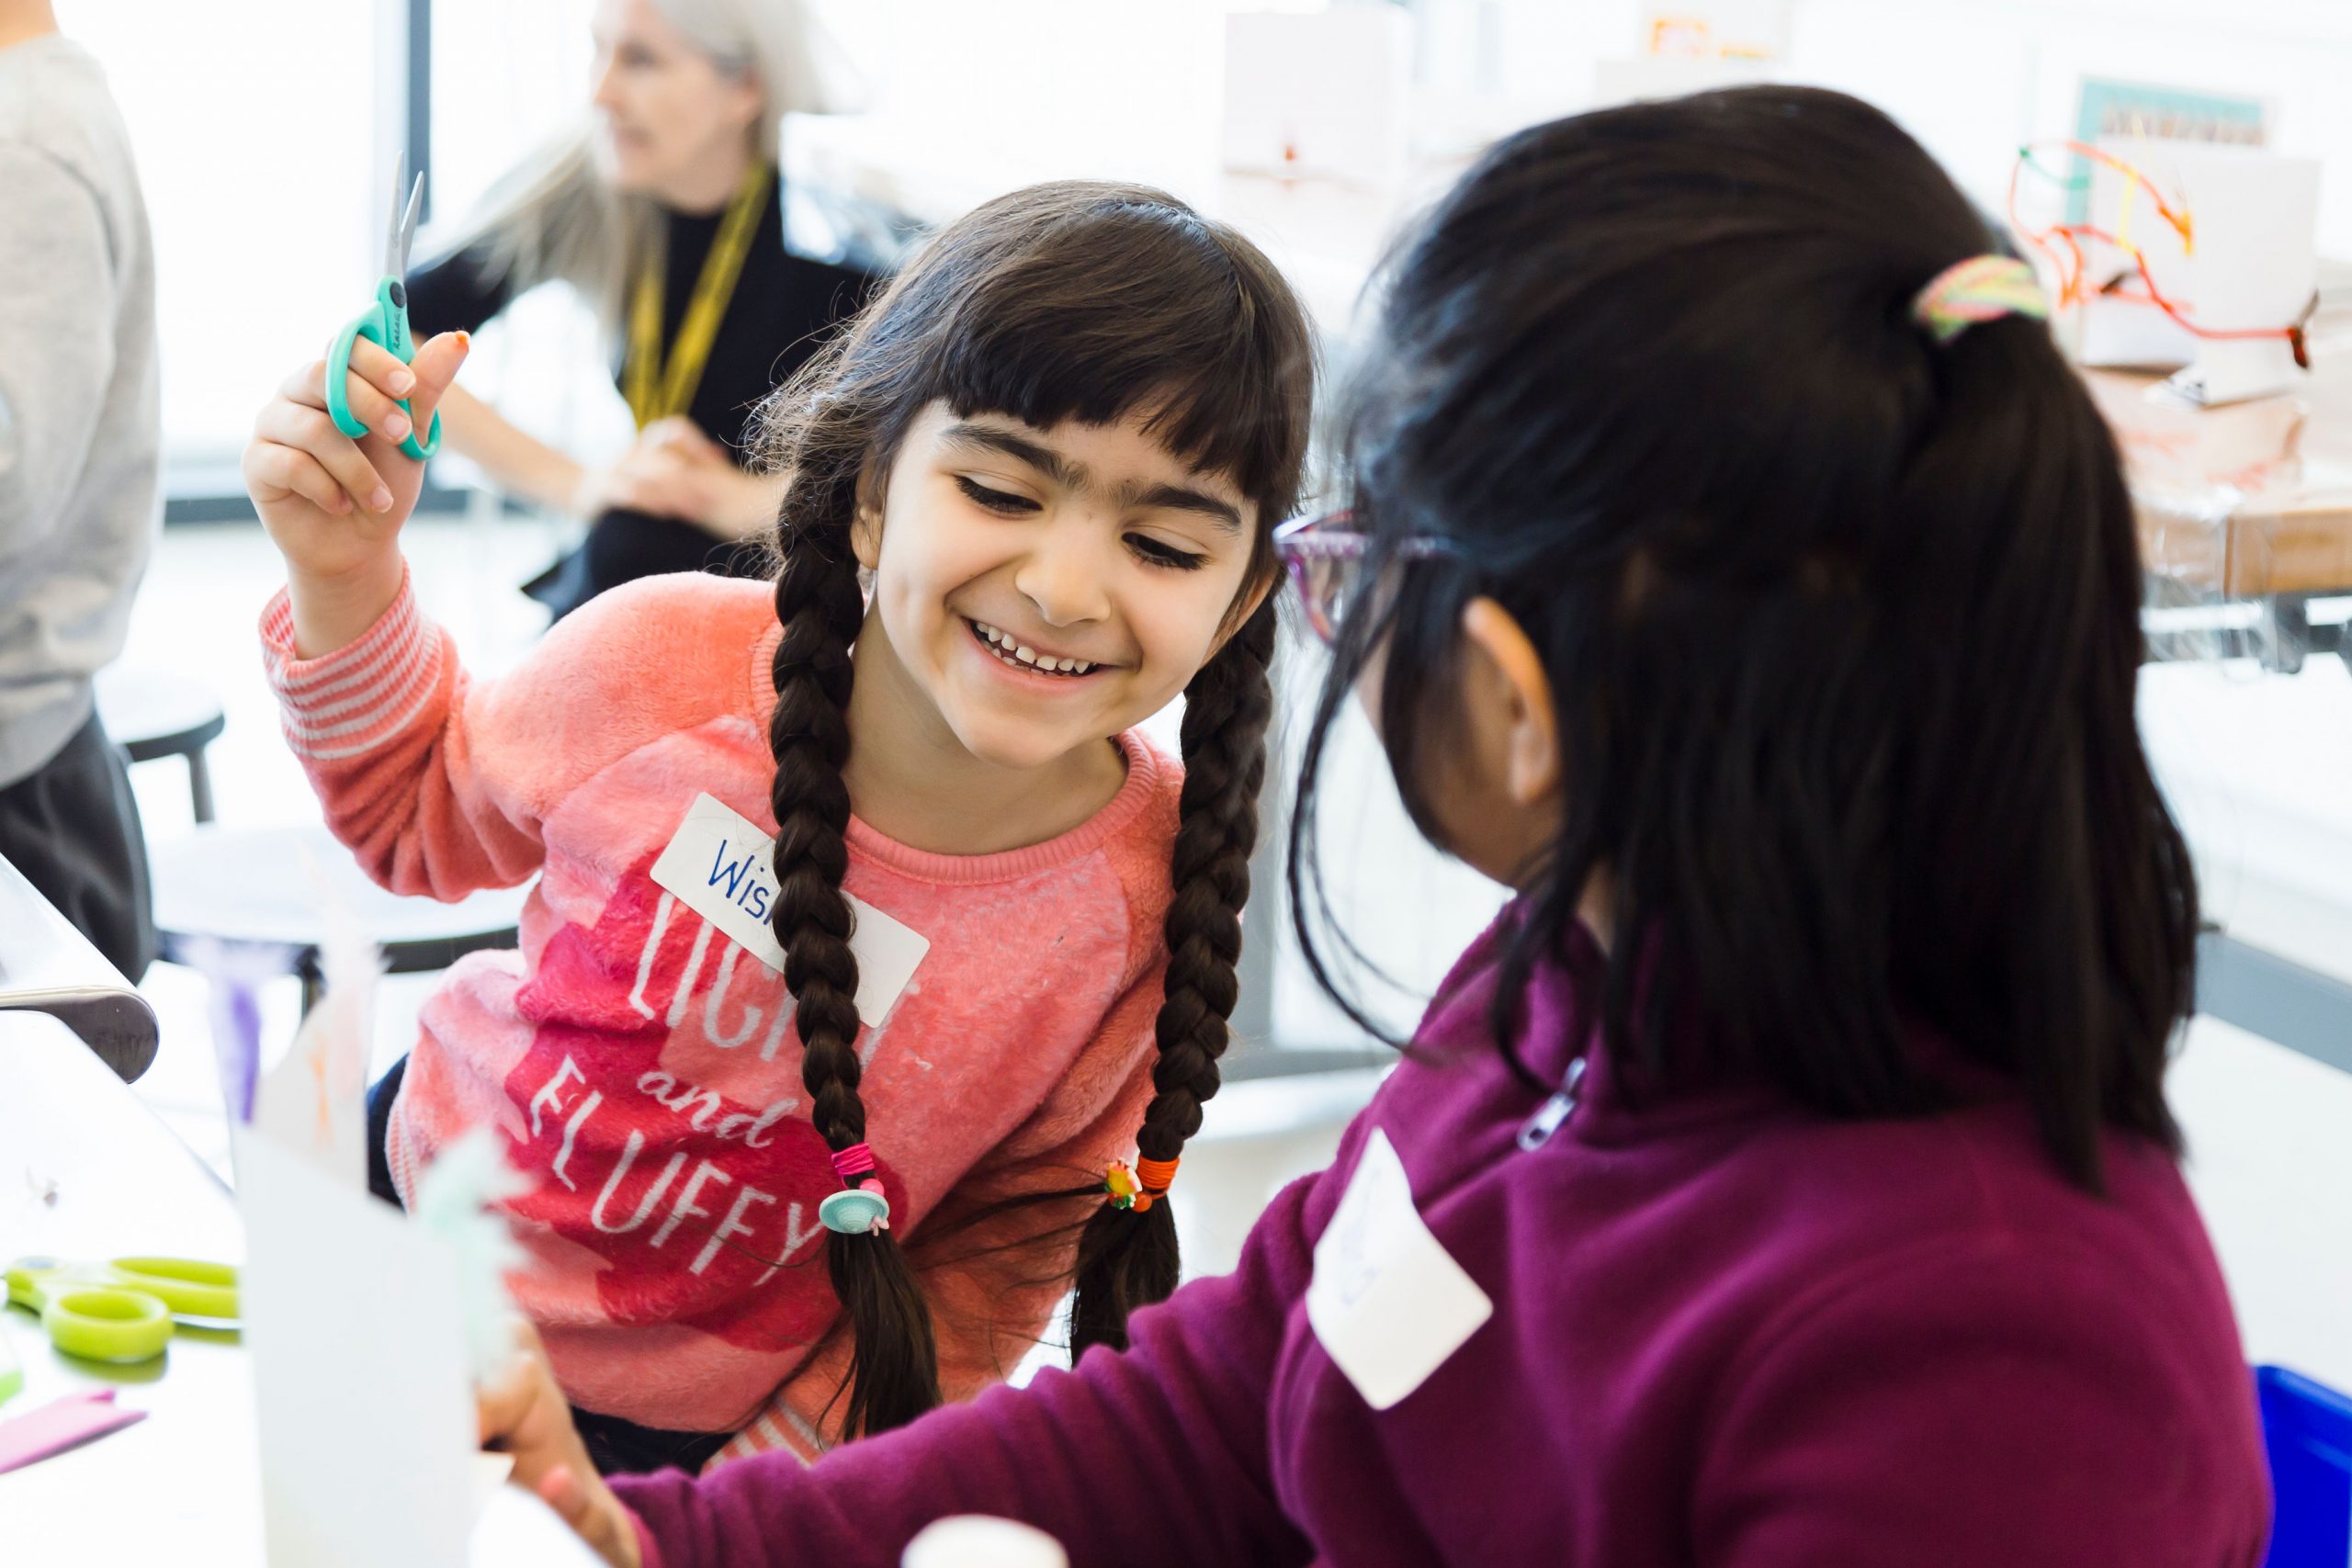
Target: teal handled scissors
x=122, y=1311
x=384, y=324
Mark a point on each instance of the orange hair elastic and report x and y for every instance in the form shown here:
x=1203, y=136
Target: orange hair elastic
x=1155, y=1175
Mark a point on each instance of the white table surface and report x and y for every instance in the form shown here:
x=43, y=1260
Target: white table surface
x=182, y=1486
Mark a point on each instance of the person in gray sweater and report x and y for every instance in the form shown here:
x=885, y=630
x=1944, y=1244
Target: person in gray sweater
x=78, y=443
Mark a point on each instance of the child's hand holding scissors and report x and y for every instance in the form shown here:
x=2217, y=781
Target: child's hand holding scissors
x=338, y=455
x=333, y=505
x=524, y=1415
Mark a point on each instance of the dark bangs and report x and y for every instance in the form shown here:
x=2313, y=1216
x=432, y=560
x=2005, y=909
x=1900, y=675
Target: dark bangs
x=1090, y=302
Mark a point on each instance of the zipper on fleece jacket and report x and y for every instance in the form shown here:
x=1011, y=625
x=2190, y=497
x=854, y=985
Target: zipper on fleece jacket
x=1553, y=1113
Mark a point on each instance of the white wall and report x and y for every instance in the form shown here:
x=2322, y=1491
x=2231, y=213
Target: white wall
x=258, y=147
x=1971, y=78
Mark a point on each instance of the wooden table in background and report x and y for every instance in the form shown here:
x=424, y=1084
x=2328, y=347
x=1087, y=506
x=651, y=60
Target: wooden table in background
x=2249, y=501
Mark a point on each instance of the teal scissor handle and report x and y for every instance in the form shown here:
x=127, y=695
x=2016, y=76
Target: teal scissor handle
x=384, y=324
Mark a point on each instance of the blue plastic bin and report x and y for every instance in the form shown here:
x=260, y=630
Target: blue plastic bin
x=2307, y=1428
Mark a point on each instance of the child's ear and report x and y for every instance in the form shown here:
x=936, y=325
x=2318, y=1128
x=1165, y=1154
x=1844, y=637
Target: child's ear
x=865, y=525
x=1510, y=694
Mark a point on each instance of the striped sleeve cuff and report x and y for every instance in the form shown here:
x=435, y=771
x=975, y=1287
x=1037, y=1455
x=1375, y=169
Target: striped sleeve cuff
x=354, y=699
x=775, y=1428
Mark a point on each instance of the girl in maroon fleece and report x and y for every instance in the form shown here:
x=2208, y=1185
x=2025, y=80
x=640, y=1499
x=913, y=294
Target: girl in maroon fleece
x=1735, y=569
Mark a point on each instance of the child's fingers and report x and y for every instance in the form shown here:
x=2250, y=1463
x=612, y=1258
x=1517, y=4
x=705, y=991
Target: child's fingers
x=275, y=469
x=561, y=1491
x=435, y=366
x=373, y=363
x=577, y=1506
x=310, y=430
x=501, y=1407
x=374, y=406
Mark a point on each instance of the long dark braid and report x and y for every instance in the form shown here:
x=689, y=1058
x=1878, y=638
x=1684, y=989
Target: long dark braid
x=894, y=1370
x=1128, y=1258
x=1069, y=301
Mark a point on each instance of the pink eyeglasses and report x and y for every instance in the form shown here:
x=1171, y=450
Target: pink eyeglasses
x=1324, y=553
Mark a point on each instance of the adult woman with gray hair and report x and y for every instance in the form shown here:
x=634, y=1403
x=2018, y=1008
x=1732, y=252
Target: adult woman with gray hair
x=663, y=211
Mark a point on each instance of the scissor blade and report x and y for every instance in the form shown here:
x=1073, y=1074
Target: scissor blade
x=406, y=234
x=392, y=267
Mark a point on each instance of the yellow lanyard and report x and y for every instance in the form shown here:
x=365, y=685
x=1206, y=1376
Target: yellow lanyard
x=656, y=391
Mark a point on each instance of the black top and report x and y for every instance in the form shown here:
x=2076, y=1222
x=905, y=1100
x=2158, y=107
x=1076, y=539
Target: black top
x=781, y=312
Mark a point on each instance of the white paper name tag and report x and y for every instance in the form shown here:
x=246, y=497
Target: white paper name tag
x=722, y=867
x=1387, y=1302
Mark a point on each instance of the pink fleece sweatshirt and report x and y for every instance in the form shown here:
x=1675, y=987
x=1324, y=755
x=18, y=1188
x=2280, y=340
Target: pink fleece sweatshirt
x=642, y=1064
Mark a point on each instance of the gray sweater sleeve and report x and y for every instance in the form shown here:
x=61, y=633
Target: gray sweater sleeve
x=58, y=307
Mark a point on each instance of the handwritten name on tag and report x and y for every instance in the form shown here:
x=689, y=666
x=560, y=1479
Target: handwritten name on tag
x=1387, y=1302
x=721, y=867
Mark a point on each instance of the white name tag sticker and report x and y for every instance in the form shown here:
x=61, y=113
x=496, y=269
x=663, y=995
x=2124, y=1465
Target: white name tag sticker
x=722, y=867
x=1387, y=1302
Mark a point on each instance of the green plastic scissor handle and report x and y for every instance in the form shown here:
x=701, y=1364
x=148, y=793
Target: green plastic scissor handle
x=385, y=324
x=122, y=1311
x=101, y=1323
x=186, y=1286
x=27, y=1277
x=12, y=1371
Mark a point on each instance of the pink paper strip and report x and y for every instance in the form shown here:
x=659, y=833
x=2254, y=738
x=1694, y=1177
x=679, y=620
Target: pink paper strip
x=61, y=1424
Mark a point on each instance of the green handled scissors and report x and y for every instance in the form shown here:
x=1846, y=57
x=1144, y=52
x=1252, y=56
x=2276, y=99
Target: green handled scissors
x=384, y=324
x=123, y=1311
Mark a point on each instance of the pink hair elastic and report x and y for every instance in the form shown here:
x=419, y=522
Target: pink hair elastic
x=853, y=1161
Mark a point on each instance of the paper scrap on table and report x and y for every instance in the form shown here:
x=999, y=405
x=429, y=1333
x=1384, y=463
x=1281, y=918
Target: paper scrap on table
x=60, y=1425
x=315, y=1100
x=356, y=1339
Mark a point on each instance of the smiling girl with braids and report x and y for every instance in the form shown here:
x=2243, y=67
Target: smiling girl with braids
x=990, y=954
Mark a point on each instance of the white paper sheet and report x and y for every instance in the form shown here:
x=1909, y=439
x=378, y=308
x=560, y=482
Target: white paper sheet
x=361, y=1405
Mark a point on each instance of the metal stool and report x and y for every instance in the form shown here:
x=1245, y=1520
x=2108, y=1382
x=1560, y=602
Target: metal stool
x=151, y=713
x=254, y=885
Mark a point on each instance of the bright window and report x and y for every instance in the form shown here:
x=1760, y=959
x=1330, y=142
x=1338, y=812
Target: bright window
x=261, y=133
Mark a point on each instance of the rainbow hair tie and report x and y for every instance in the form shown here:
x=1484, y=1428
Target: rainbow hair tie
x=1137, y=1189
x=1982, y=288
